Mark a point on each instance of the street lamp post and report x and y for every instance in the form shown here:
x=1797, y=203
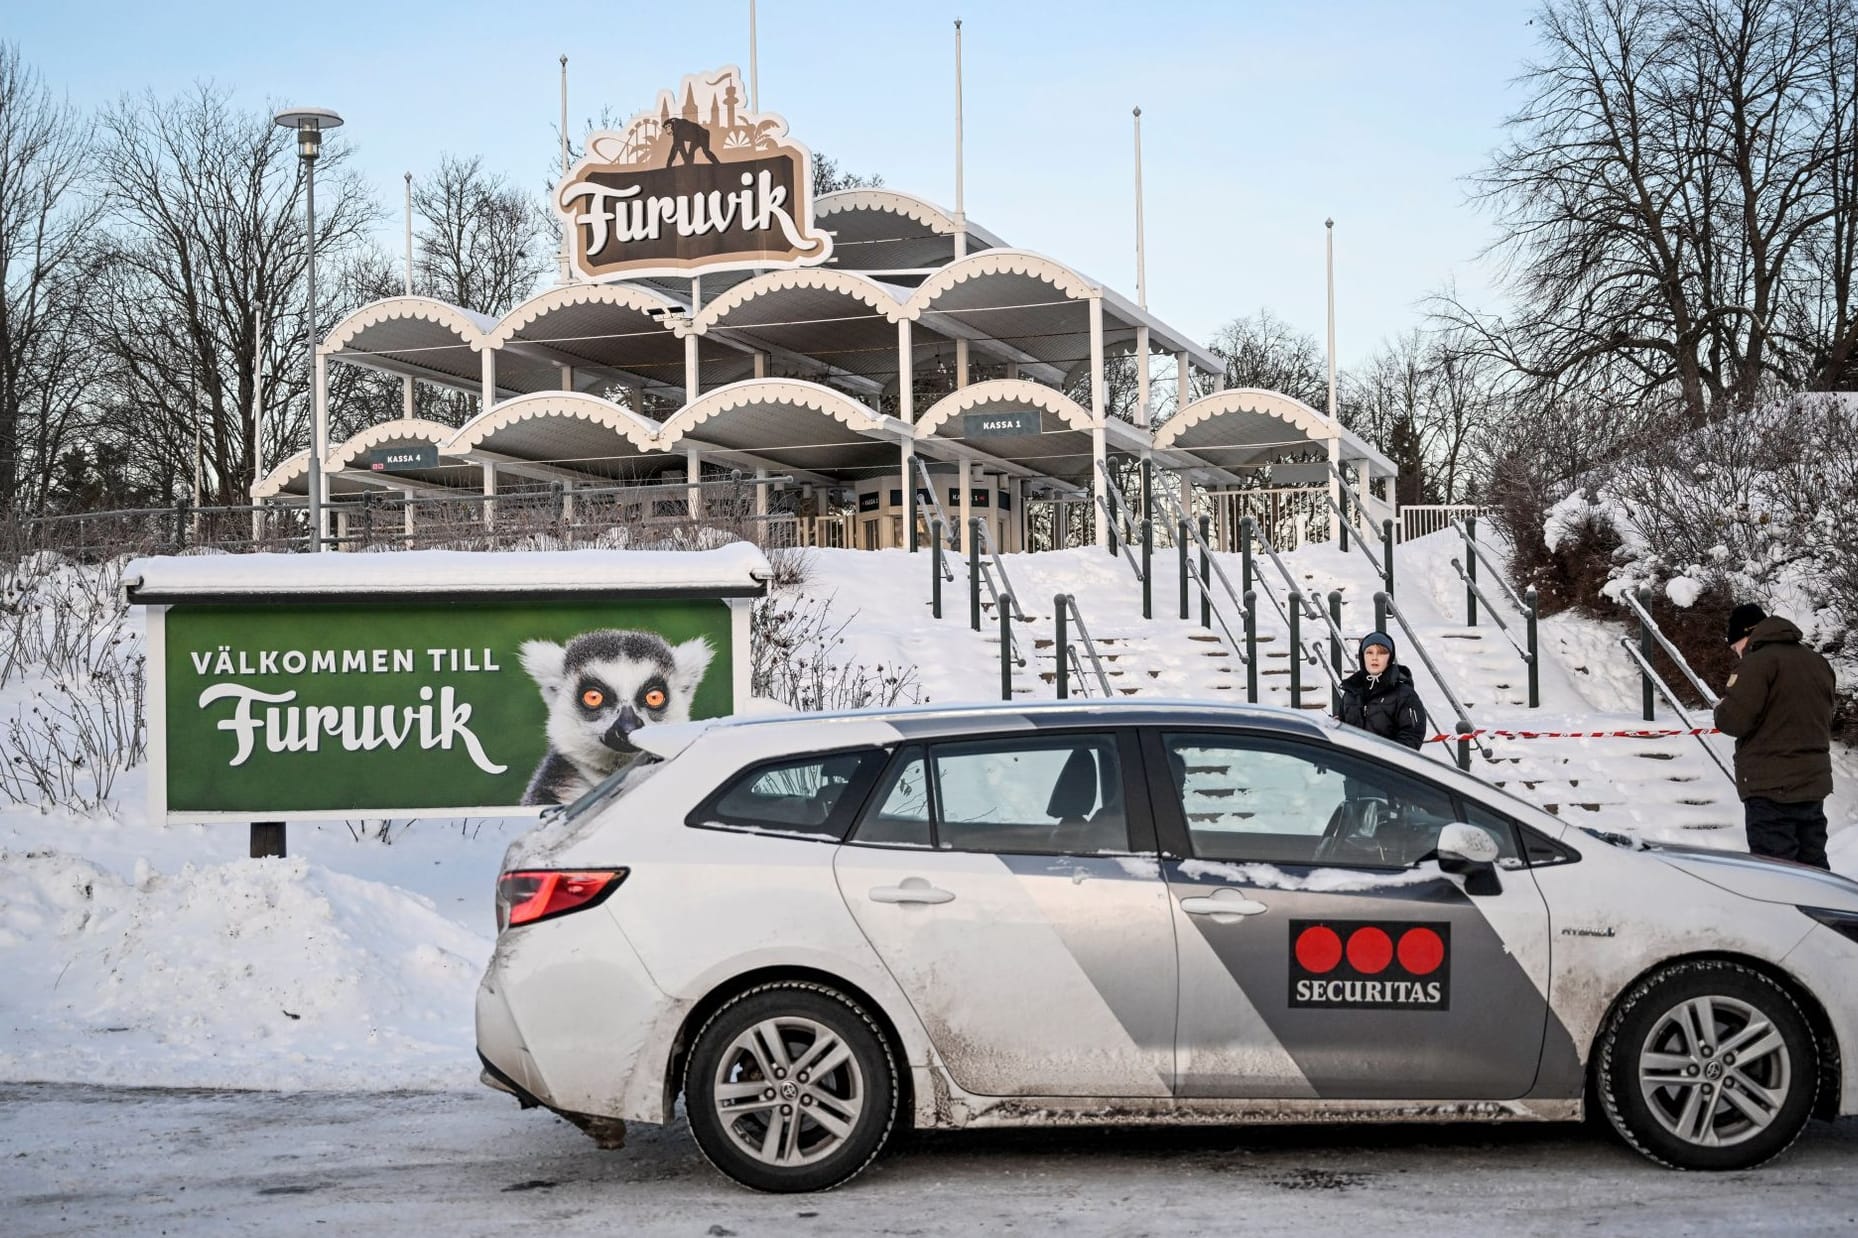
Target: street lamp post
x=310, y=123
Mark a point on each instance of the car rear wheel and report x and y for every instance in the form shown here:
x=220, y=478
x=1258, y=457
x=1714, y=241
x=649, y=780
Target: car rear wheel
x=790, y=1087
x=1708, y=1065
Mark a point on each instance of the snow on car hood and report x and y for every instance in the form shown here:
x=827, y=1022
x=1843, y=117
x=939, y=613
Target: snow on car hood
x=1762, y=879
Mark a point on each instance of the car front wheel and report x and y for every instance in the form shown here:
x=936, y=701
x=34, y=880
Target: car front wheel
x=790, y=1087
x=1708, y=1065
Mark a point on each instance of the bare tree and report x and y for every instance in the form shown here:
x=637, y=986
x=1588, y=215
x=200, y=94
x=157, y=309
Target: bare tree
x=480, y=242
x=1678, y=201
x=45, y=270
x=1265, y=351
x=828, y=177
x=204, y=267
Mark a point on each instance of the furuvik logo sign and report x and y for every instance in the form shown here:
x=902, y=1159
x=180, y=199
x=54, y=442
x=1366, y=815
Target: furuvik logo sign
x=1370, y=965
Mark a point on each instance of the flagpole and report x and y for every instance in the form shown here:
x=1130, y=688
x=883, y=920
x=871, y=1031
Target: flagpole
x=961, y=205
x=563, y=261
x=1141, y=258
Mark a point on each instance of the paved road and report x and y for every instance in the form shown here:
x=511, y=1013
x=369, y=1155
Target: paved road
x=110, y=1161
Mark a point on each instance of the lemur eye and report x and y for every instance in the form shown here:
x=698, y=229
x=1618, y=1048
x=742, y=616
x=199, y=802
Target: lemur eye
x=593, y=698
x=655, y=699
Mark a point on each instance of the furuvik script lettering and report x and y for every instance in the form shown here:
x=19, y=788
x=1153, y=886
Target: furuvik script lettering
x=620, y=215
x=436, y=722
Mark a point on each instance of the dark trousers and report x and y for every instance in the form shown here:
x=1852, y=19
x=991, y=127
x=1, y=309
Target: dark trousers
x=1787, y=831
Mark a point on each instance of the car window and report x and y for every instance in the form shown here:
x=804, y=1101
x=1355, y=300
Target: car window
x=1052, y=796
x=899, y=812
x=806, y=796
x=1282, y=802
x=1499, y=827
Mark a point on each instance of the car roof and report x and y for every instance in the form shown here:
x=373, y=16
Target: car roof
x=925, y=720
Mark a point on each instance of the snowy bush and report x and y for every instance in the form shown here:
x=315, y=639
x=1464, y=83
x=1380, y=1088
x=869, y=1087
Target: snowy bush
x=1756, y=507
x=796, y=658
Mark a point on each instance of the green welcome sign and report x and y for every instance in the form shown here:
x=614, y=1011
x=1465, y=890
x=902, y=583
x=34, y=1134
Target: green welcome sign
x=490, y=686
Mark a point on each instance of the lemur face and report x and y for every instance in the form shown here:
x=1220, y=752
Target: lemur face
x=606, y=684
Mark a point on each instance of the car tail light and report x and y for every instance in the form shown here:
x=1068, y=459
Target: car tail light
x=527, y=895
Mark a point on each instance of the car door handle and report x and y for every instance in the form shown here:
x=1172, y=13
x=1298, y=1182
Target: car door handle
x=911, y=890
x=1222, y=903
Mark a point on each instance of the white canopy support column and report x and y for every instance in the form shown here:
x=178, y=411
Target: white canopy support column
x=319, y=412
x=406, y=519
x=1183, y=381
x=1143, y=416
x=1098, y=453
x=567, y=378
x=761, y=365
x=567, y=502
x=407, y=397
x=635, y=393
x=1335, y=481
x=965, y=479
x=906, y=411
x=489, y=396
x=693, y=479
x=490, y=496
x=761, y=497
x=690, y=369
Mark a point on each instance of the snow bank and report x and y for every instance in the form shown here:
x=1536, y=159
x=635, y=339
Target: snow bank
x=254, y=973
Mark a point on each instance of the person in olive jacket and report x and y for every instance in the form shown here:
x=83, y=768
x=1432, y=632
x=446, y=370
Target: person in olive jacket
x=1778, y=706
x=1380, y=697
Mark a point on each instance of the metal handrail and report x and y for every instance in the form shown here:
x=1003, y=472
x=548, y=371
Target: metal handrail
x=1193, y=532
x=1471, y=584
x=1670, y=699
x=935, y=502
x=1066, y=602
x=1361, y=505
x=1465, y=725
x=1005, y=599
x=1128, y=524
x=1495, y=569
x=1309, y=608
x=1651, y=625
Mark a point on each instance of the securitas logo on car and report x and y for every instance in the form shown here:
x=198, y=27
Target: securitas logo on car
x=1370, y=965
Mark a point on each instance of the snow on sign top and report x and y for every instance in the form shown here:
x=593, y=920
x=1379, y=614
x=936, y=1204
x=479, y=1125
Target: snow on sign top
x=735, y=570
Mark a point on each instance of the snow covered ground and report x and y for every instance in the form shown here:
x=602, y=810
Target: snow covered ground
x=143, y=954
x=83, y=1161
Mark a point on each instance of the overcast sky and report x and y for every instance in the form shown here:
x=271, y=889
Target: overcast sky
x=1258, y=119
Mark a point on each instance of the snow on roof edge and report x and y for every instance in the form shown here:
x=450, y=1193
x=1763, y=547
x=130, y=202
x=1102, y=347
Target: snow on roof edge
x=735, y=567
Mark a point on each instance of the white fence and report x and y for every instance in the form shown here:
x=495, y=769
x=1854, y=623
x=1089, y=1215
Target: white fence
x=1420, y=519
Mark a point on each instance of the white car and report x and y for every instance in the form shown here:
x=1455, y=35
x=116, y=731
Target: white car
x=815, y=927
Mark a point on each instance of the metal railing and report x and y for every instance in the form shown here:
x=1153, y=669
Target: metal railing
x=1466, y=729
x=1383, y=566
x=1191, y=535
x=1293, y=514
x=935, y=505
x=1302, y=605
x=1115, y=509
x=547, y=514
x=1064, y=606
x=985, y=569
x=1425, y=519
x=1639, y=603
x=1526, y=605
x=1656, y=681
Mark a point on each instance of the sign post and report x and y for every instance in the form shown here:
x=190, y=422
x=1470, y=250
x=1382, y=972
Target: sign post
x=427, y=683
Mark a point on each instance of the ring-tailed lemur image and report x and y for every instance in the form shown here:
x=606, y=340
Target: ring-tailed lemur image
x=600, y=688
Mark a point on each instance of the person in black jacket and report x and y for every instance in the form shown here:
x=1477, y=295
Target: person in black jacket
x=1778, y=706
x=1380, y=697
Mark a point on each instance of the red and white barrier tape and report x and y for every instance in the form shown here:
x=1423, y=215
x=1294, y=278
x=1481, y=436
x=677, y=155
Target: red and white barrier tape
x=1495, y=733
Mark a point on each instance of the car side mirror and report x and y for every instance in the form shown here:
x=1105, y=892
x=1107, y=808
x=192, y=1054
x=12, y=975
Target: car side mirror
x=1473, y=852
